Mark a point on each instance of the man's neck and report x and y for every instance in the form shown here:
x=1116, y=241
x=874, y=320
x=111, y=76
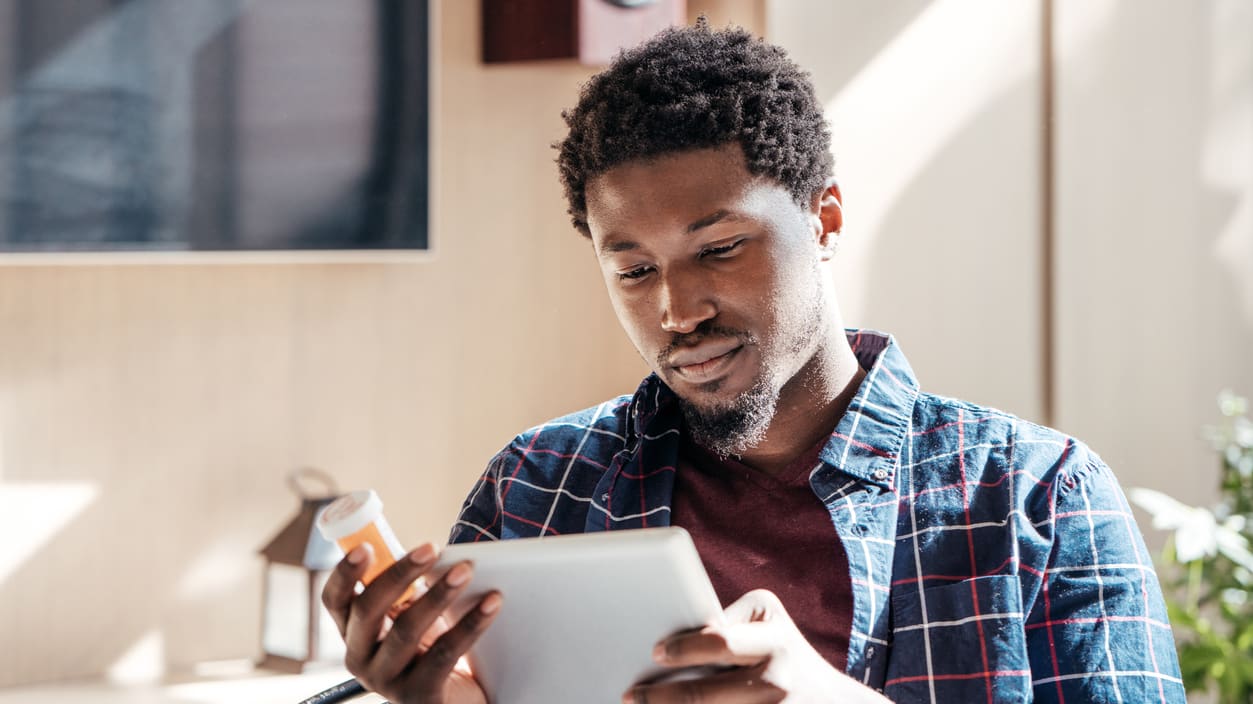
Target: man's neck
x=810, y=405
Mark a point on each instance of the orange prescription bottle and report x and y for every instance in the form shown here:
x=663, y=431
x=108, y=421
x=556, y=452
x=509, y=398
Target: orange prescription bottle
x=357, y=518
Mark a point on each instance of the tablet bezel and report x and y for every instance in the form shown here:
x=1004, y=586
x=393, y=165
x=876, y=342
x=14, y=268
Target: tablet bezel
x=581, y=613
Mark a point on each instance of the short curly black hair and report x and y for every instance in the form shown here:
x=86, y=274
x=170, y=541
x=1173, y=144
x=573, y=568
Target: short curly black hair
x=691, y=88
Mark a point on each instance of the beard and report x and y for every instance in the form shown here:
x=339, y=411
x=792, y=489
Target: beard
x=730, y=429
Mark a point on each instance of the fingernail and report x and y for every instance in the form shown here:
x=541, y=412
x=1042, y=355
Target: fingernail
x=491, y=604
x=458, y=575
x=359, y=554
x=659, y=652
x=423, y=554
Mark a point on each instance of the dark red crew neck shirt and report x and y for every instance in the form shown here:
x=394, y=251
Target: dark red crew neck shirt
x=754, y=530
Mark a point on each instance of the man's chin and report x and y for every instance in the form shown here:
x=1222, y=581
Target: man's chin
x=728, y=424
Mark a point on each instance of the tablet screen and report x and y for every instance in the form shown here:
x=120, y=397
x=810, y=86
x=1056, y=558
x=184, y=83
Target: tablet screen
x=582, y=612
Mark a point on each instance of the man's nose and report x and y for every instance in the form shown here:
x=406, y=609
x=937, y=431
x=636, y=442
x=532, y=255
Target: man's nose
x=685, y=304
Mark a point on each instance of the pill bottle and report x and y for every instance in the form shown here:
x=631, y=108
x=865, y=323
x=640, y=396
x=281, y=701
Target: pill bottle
x=357, y=518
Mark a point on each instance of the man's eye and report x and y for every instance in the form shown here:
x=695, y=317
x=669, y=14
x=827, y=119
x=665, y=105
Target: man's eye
x=721, y=250
x=638, y=272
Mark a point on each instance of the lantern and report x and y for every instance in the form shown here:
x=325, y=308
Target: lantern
x=296, y=629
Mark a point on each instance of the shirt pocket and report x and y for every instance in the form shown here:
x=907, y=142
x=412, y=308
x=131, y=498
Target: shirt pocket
x=960, y=642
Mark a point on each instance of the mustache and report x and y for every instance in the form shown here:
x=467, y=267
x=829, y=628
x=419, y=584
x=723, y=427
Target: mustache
x=704, y=330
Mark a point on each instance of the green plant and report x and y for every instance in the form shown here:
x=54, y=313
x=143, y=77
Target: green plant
x=1206, y=567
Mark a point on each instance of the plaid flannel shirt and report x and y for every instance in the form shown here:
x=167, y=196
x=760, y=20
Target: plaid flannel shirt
x=992, y=559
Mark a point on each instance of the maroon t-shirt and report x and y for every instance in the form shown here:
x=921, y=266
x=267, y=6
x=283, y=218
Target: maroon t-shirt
x=758, y=531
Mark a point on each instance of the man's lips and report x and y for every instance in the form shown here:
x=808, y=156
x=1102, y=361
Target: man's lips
x=706, y=361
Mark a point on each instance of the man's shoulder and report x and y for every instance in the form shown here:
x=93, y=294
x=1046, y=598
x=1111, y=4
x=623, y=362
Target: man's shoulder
x=972, y=424
x=593, y=434
x=546, y=477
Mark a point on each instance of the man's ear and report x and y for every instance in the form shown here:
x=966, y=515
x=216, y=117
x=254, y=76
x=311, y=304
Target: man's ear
x=828, y=206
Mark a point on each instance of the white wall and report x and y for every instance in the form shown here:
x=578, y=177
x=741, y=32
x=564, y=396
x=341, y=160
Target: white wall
x=1155, y=225
x=936, y=117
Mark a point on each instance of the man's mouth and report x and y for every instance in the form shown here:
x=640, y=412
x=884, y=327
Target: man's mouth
x=705, y=362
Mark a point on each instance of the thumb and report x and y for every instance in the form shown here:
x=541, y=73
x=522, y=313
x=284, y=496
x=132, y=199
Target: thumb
x=756, y=606
x=756, y=625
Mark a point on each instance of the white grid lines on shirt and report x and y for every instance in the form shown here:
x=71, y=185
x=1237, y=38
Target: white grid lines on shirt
x=565, y=475
x=922, y=597
x=1103, y=673
x=961, y=621
x=476, y=527
x=1100, y=591
x=869, y=562
x=1015, y=552
x=852, y=433
x=591, y=428
x=1144, y=589
x=840, y=491
x=629, y=516
x=545, y=489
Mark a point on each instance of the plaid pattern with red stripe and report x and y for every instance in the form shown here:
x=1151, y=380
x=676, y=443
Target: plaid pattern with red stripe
x=992, y=559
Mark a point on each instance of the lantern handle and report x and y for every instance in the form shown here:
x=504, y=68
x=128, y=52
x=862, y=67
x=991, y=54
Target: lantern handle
x=298, y=481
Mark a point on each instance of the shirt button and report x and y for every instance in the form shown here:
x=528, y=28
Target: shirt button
x=880, y=474
x=870, y=652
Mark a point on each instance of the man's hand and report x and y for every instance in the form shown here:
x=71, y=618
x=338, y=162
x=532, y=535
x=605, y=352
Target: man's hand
x=760, y=656
x=417, y=656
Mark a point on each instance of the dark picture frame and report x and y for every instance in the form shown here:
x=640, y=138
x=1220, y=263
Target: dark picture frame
x=214, y=125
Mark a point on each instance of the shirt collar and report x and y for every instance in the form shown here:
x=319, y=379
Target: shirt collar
x=867, y=441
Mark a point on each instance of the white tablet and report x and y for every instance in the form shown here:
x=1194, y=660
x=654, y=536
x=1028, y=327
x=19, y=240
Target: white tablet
x=581, y=612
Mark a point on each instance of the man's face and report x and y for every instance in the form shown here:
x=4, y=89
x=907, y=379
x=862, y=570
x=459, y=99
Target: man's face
x=715, y=275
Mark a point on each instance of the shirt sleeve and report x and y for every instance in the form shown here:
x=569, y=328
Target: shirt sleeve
x=480, y=513
x=1098, y=631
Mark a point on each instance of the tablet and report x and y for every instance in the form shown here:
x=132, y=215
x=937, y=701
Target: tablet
x=581, y=612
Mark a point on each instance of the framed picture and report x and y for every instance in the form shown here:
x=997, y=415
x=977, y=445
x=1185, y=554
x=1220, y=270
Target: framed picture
x=145, y=126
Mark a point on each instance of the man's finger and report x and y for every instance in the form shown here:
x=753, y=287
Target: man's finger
x=754, y=628
x=405, y=638
x=739, y=686
x=341, y=587
x=365, y=618
x=723, y=645
x=437, y=663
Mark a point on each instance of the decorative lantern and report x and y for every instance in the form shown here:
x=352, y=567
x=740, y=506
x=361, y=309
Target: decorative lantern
x=296, y=629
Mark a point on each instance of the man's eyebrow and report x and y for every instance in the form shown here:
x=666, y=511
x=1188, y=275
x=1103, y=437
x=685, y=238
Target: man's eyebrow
x=713, y=218
x=614, y=243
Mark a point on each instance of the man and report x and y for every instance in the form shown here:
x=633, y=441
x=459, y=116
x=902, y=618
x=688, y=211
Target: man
x=869, y=539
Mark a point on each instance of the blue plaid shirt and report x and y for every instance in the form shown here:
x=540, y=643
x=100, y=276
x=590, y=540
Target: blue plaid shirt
x=992, y=559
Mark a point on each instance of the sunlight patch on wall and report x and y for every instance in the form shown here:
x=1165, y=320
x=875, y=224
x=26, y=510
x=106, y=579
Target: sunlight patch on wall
x=1080, y=23
x=142, y=663
x=31, y=514
x=954, y=59
x=217, y=569
x=1227, y=162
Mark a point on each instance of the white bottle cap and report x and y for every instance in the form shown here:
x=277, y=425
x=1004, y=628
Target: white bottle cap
x=349, y=514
